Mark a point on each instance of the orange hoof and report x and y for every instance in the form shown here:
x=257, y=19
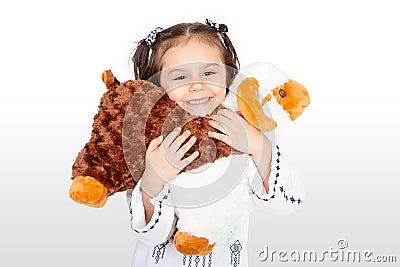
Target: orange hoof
x=191, y=245
x=88, y=191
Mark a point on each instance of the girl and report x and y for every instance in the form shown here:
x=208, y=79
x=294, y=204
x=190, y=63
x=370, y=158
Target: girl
x=198, y=88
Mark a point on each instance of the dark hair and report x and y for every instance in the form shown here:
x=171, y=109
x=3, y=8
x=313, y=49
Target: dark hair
x=146, y=59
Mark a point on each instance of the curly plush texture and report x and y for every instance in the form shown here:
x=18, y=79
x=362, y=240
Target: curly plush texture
x=130, y=115
x=102, y=157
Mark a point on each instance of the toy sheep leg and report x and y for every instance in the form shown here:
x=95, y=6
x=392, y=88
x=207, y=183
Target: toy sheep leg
x=88, y=191
x=192, y=245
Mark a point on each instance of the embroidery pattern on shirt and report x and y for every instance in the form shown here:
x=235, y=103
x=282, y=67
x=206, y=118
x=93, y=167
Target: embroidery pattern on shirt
x=235, y=253
x=281, y=189
x=156, y=220
x=197, y=260
x=159, y=250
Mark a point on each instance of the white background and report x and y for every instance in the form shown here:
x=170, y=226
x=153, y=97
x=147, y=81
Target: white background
x=345, y=145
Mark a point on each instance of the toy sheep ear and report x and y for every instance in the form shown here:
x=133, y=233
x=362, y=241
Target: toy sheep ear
x=109, y=80
x=250, y=108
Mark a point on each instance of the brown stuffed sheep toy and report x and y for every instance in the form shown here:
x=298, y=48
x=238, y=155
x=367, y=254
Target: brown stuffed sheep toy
x=102, y=169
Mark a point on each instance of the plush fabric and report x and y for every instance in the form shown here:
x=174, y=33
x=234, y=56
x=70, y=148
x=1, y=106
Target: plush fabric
x=130, y=115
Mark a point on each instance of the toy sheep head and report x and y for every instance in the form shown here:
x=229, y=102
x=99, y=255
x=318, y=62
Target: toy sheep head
x=263, y=83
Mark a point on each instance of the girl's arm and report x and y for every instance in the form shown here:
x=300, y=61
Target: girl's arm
x=151, y=217
x=279, y=189
x=283, y=191
x=151, y=186
x=275, y=186
x=262, y=158
x=239, y=134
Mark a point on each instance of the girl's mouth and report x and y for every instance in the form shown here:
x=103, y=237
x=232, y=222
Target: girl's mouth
x=200, y=106
x=198, y=101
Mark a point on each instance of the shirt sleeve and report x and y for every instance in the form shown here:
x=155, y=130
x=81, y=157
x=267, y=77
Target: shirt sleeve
x=162, y=224
x=286, y=187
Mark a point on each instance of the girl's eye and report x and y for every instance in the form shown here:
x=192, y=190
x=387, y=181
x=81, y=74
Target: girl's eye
x=181, y=77
x=208, y=73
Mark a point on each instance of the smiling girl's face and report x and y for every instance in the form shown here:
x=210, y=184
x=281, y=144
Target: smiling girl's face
x=194, y=76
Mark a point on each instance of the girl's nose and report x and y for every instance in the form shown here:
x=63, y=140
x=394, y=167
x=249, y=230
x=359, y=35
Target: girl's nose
x=196, y=86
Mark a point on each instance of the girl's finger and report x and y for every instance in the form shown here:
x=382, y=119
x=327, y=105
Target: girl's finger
x=218, y=126
x=221, y=119
x=185, y=148
x=223, y=137
x=171, y=137
x=235, y=117
x=186, y=161
x=176, y=144
x=227, y=113
x=154, y=143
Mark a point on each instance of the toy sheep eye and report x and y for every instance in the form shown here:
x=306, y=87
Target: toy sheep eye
x=282, y=93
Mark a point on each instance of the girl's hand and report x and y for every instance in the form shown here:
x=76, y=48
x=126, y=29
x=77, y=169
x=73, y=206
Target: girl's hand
x=164, y=160
x=236, y=131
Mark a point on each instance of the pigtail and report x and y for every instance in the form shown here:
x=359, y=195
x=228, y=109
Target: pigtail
x=229, y=46
x=233, y=61
x=141, y=59
x=230, y=56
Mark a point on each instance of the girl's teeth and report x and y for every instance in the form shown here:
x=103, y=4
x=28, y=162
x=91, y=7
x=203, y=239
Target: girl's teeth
x=198, y=101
